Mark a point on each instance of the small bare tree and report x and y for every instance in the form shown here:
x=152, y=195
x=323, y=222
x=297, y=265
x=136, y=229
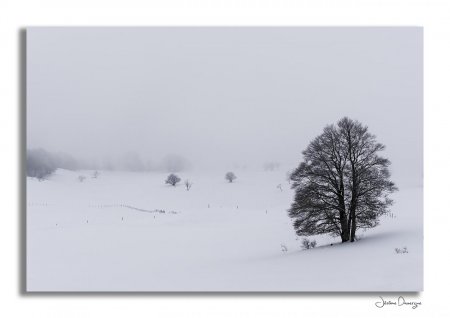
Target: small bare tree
x=81, y=178
x=172, y=179
x=187, y=184
x=230, y=176
x=95, y=174
x=307, y=244
x=280, y=187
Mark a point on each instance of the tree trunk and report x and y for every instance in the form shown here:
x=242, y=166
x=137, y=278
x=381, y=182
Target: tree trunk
x=345, y=236
x=353, y=203
x=345, y=230
x=349, y=224
x=353, y=228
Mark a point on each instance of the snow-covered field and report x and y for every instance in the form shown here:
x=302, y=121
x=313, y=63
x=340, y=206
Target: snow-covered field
x=88, y=236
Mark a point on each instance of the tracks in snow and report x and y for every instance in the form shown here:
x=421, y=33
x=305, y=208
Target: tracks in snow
x=103, y=206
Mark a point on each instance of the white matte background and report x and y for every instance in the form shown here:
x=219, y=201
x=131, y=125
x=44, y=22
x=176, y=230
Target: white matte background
x=434, y=15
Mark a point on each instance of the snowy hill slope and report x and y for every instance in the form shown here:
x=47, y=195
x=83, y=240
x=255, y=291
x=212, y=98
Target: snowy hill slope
x=88, y=236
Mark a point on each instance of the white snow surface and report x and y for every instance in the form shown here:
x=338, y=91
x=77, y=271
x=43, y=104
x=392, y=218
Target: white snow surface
x=215, y=237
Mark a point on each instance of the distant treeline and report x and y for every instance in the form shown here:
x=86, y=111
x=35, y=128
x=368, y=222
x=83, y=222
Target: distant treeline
x=42, y=163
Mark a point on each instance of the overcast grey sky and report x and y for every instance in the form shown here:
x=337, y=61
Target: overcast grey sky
x=222, y=95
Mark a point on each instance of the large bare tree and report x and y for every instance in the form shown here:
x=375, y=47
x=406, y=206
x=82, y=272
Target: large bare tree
x=342, y=184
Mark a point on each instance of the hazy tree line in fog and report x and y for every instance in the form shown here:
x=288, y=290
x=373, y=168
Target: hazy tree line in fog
x=41, y=163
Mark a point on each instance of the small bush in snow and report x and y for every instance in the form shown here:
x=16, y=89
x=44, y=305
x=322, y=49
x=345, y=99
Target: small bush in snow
x=307, y=244
x=230, y=176
x=187, y=185
x=403, y=250
x=95, y=174
x=81, y=178
x=172, y=179
x=280, y=187
x=283, y=248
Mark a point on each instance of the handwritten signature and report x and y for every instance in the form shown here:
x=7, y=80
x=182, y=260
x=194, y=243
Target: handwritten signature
x=399, y=302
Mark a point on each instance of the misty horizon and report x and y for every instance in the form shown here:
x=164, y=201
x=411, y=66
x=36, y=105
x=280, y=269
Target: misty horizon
x=222, y=97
